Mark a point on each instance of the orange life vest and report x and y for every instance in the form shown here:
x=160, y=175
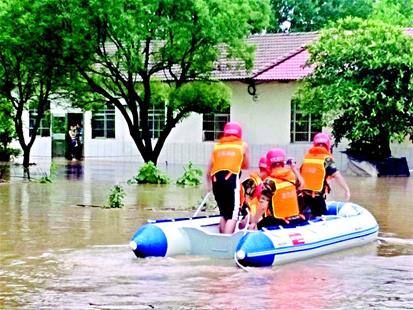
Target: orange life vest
x=284, y=199
x=313, y=169
x=228, y=155
x=253, y=205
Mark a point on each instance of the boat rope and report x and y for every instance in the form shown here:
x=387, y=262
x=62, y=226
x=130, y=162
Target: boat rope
x=247, y=269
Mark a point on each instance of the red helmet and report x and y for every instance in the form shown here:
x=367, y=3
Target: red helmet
x=276, y=155
x=233, y=129
x=322, y=138
x=263, y=162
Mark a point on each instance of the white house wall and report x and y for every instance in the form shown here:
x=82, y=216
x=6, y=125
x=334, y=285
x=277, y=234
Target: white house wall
x=122, y=146
x=267, y=119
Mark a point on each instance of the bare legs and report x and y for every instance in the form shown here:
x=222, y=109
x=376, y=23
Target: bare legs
x=227, y=226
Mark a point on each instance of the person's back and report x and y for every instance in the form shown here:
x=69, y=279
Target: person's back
x=282, y=182
x=317, y=168
x=228, y=158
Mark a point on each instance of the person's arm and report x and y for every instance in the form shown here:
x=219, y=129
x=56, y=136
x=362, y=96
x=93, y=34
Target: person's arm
x=300, y=179
x=246, y=161
x=340, y=180
x=208, y=184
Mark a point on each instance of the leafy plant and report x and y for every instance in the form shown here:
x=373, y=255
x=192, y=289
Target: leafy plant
x=115, y=198
x=52, y=175
x=191, y=177
x=149, y=173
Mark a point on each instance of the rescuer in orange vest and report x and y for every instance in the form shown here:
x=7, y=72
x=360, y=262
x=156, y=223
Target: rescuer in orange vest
x=317, y=169
x=250, y=194
x=280, y=188
x=229, y=157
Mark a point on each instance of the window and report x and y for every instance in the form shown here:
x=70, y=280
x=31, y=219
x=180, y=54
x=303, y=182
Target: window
x=156, y=121
x=213, y=125
x=44, y=128
x=303, y=127
x=103, y=123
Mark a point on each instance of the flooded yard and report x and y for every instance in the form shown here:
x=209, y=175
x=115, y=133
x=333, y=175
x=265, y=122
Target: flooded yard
x=60, y=250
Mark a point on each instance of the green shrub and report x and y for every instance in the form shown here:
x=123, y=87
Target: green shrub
x=52, y=175
x=191, y=177
x=5, y=154
x=115, y=198
x=149, y=174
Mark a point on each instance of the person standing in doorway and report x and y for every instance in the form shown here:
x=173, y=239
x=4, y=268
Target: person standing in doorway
x=71, y=142
x=79, y=142
x=229, y=157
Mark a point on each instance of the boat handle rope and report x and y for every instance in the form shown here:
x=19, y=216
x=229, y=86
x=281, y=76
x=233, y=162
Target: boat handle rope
x=244, y=268
x=201, y=205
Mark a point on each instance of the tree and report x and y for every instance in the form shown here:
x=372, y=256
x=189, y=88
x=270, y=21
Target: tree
x=124, y=50
x=394, y=12
x=31, y=61
x=7, y=131
x=313, y=15
x=362, y=85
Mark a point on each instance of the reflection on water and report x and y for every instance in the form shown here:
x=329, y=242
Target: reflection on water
x=58, y=252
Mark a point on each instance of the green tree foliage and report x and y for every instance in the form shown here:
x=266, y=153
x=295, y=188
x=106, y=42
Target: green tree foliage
x=7, y=131
x=394, y=12
x=313, y=15
x=123, y=48
x=362, y=85
x=31, y=60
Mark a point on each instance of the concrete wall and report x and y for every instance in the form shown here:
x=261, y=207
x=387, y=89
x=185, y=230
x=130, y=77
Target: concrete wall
x=266, y=119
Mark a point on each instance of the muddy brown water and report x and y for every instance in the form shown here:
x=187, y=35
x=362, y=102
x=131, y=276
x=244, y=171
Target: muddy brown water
x=59, y=251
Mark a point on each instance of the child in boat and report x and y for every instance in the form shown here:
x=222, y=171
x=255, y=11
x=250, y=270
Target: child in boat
x=229, y=157
x=317, y=169
x=280, y=189
x=250, y=194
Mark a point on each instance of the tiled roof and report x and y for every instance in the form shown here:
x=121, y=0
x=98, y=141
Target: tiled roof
x=271, y=51
x=293, y=67
x=278, y=57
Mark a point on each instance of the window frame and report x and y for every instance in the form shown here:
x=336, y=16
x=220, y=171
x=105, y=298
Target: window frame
x=105, y=117
x=296, y=118
x=44, y=129
x=218, y=120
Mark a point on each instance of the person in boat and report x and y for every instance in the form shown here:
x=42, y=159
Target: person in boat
x=317, y=169
x=279, y=191
x=229, y=157
x=250, y=195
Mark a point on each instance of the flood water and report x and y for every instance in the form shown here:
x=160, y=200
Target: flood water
x=60, y=250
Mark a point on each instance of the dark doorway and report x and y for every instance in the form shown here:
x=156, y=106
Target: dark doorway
x=74, y=136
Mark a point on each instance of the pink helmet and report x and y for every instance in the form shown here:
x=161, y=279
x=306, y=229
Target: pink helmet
x=263, y=162
x=233, y=129
x=322, y=138
x=276, y=155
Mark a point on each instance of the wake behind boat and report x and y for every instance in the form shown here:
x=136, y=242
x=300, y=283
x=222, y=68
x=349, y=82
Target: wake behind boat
x=346, y=225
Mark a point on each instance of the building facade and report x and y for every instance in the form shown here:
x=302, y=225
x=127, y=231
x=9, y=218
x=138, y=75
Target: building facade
x=261, y=102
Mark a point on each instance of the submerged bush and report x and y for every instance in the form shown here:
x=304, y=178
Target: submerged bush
x=115, y=198
x=149, y=173
x=49, y=178
x=191, y=177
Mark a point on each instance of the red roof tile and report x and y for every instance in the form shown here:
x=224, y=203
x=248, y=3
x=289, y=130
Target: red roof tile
x=292, y=67
x=271, y=50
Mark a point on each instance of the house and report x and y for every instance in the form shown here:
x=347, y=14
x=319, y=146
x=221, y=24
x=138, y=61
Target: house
x=261, y=102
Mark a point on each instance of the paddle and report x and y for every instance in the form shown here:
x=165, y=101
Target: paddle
x=201, y=205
